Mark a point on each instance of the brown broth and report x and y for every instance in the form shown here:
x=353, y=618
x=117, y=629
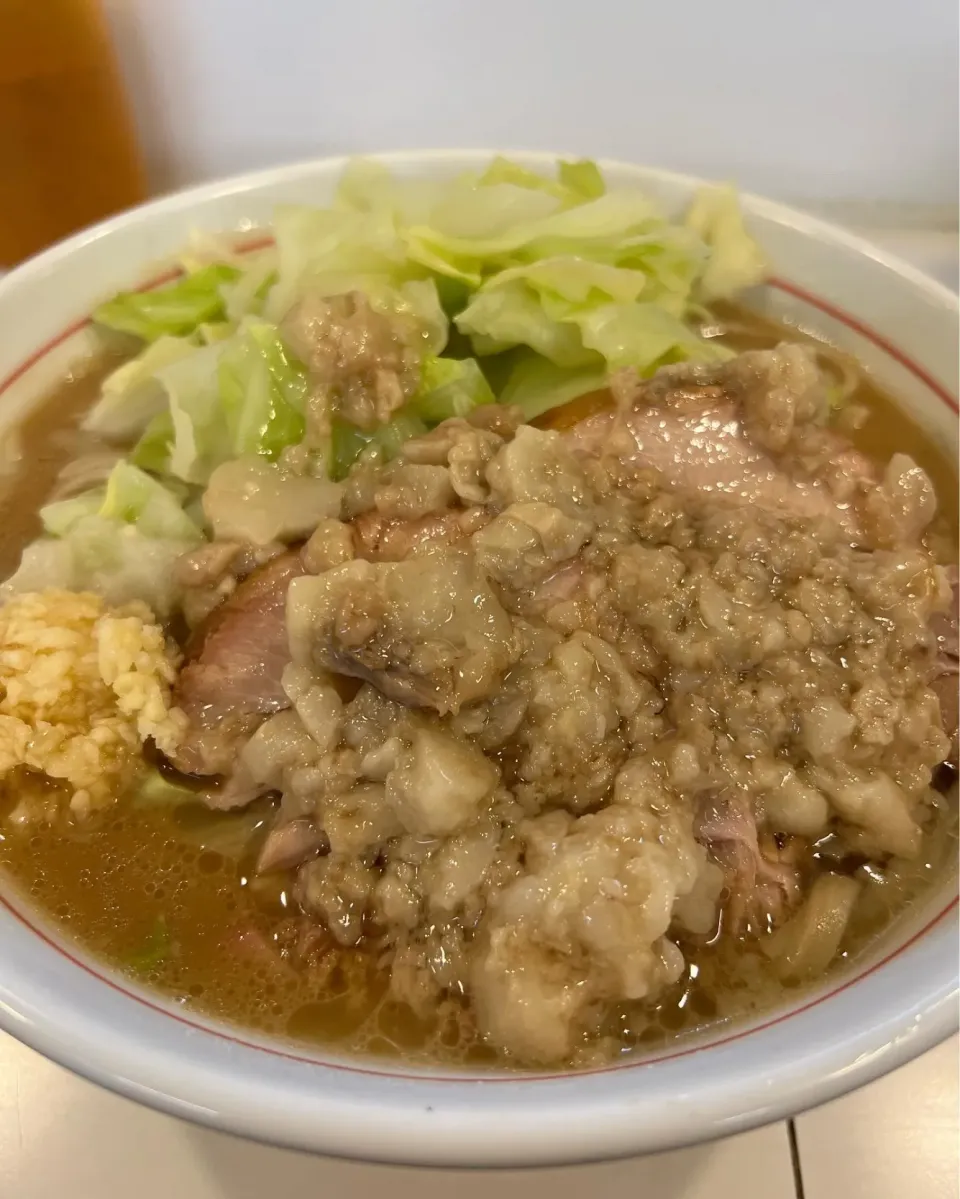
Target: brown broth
x=158, y=894
x=44, y=447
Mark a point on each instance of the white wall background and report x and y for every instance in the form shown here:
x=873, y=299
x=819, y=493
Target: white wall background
x=811, y=100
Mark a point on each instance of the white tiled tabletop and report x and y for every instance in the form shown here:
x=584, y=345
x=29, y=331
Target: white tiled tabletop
x=896, y=1139
x=61, y=1136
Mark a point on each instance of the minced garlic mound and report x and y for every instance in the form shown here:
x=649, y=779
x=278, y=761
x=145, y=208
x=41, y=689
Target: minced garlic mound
x=81, y=688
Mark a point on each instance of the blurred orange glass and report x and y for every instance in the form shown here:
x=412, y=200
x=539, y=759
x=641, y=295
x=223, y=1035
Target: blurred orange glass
x=68, y=155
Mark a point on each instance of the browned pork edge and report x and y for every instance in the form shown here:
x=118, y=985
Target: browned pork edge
x=235, y=659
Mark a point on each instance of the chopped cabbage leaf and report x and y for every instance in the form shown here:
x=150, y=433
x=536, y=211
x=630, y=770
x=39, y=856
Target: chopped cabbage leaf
x=505, y=170
x=243, y=395
x=136, y=498
x=585, y=335
x=262, y=391
x=735, y=261
x=176, y=310
x=131, y=396
x=348, y=443
x=451, y=387
x=406, y=423
x=536, y=385
x=130, y=496
x=498, y=318
x=198, y=438
x=60, y=516
x=575, y=181
x=247, y=295
x=644, y=336
x=519, y=230
x=566, y=283
x=324, y=249
x=120, y=541
x=218, y=331
x=152, y=451
x=108, y=556
x=582, y=177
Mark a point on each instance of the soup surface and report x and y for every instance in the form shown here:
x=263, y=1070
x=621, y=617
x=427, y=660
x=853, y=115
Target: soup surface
x=169, y=893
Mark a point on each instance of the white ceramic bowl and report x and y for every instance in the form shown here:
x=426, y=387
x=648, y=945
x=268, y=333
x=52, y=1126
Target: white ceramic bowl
x=894, y=1004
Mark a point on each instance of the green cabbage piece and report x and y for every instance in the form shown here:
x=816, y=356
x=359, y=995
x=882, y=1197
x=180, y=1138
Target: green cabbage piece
x=575, y=181
x=536, y=385
x=131, y=396
x=582, y=177
x=735, y=261
x=61, y=516
x=217, y=331
x=152, y=451
x=262, y=392
x=348, y=443
x=451, y=387
x=243, y=395
x=328, y=252
x=130, y=496
x=581, y=313
x=120, y=540
x=644, y=336
x=500, y=317
x=155, y=790
x=198, y=436
x=175, y=310
x=538, y=227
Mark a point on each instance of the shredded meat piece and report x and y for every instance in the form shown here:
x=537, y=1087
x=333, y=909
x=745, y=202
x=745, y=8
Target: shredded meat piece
x=743, y=432
x=364, y=364
x=289, y=845
x=757, y=886
x=234, y=665
x=210, y=574
x=428, y=631
x=381, y=539
x=502, y=419
x=206, y=565
x=586, y=921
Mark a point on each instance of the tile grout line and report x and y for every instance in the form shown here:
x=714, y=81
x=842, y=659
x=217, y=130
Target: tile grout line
x=795, y=1159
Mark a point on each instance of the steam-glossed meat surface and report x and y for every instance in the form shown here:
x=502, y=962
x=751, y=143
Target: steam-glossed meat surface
x=427, y=632
x=757, y=889
x=742, y=433
x=236, y=660
x=289, y=845
x=380, y=539
x=364, y=364
x=704, y=451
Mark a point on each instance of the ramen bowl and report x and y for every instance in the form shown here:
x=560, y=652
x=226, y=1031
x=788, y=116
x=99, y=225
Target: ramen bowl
x=895, y=1001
